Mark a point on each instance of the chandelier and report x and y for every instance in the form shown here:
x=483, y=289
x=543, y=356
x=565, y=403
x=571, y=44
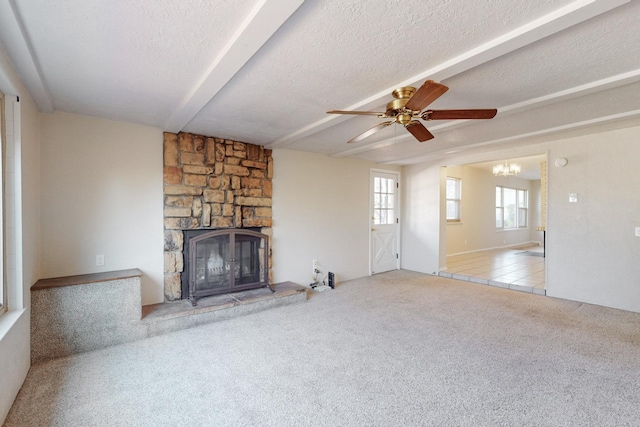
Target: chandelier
x=506, y=169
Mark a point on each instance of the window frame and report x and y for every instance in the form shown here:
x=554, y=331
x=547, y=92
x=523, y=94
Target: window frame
x=457, y=201
x=521, y=195
x=3, y=163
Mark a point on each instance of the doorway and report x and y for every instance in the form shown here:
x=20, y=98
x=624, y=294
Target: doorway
x=385, y=221
x=499, y=238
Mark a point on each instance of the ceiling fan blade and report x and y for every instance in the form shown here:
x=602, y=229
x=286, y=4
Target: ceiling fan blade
x=418, y=130
x=459, y=114
x=359, y=113
x=370, y=132
x=425, y=95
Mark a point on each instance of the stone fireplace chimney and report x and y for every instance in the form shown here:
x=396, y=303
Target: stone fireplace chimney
x=211, y=183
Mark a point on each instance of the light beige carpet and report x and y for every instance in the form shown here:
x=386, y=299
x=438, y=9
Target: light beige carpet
x=396, y=349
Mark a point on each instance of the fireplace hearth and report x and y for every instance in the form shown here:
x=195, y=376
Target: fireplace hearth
x=224, y=261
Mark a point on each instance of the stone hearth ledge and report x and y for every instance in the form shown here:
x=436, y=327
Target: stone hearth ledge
x=174, y=316
x=75, y=314
x=170, y=310
x=84, y=279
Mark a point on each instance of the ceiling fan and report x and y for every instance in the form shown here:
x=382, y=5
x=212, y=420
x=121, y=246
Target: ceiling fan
x=408, y=106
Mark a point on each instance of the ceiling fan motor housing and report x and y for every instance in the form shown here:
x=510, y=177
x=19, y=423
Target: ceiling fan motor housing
x=404, y=92
x=396, y=109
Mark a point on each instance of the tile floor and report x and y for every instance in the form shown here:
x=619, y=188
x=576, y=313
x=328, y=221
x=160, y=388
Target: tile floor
x=521, y=269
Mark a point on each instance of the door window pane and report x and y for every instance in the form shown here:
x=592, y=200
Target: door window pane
x=383, y=200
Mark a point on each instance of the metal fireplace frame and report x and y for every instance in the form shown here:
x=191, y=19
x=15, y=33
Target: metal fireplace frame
x=193, y=293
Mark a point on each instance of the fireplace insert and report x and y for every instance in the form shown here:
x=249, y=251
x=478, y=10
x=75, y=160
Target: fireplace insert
x=224, y=261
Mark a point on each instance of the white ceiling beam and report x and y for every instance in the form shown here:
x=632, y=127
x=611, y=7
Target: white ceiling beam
x=363, y=148
x=627, y=115
x=559, y=20
x=575, y=92
x=20, y=50
x=263, y=21
x=564, y=95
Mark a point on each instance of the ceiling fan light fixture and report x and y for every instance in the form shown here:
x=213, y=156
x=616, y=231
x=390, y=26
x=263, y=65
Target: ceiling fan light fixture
x=506, y=169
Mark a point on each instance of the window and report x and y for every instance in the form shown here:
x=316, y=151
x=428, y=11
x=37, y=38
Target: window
x=454, y=198
x=511, y=208
x=384, y=200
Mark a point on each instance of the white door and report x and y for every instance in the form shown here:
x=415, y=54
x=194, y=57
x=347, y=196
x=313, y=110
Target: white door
x=384, y=222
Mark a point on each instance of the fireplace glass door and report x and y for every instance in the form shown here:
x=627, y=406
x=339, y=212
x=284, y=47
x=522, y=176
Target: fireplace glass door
x=247, y=259
x=212, y=264
x=225, y=261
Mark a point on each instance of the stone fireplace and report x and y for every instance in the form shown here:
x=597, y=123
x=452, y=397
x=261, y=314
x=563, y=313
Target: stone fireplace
x=211, y=184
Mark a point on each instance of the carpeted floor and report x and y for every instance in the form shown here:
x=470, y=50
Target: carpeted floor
x=395, y=349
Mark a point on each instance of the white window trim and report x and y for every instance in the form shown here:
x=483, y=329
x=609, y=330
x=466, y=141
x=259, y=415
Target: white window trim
x=3, y=273
x=12, y=267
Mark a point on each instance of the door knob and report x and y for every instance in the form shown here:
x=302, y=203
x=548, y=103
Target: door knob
x=373, y=229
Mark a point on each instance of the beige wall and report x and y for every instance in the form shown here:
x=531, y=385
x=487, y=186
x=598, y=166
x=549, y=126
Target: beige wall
x=476, y=230
x=592, y=253
x=101, y=186
x=422, y=231
x=320, y=211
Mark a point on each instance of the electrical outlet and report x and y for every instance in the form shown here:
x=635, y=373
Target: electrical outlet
x=315, y=266
x=99, y=260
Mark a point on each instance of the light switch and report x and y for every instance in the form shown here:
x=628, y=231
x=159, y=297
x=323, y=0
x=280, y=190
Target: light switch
x=573, y=197
x=637, y=231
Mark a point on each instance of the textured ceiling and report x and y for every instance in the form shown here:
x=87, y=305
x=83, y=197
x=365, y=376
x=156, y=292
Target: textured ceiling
x=267, y=71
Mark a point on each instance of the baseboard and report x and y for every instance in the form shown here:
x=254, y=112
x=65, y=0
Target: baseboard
x=532, y=242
